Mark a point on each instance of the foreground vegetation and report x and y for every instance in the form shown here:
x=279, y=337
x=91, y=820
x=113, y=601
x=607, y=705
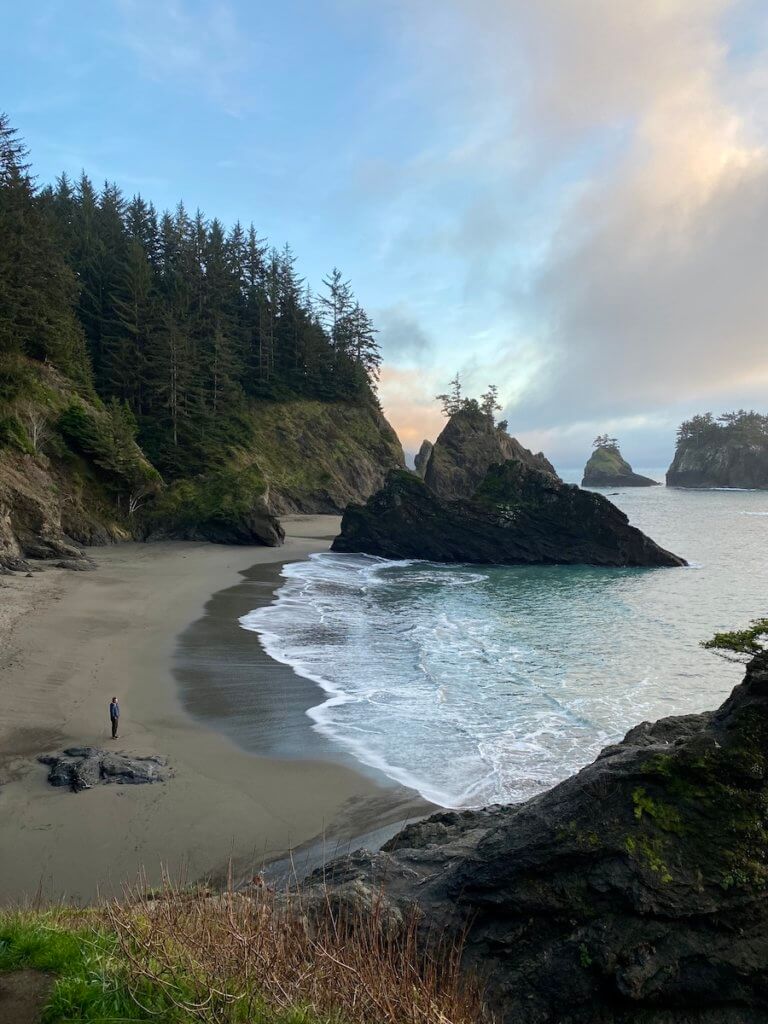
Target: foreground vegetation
x=186, y=956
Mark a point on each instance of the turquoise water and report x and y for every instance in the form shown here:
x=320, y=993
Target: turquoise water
x=478, y=684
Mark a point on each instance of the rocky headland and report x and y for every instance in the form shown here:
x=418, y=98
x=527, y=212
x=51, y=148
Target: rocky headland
x=606, y=467
x=731, y=451
x=71, y=477
x=634, y=892
x=486, y=499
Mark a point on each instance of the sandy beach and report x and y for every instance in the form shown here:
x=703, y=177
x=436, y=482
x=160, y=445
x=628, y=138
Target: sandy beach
x=70, y=641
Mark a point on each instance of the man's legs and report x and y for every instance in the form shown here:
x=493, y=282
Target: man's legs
x=114, y=728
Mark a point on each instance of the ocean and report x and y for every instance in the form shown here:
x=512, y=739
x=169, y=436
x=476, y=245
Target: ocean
x=486, y=684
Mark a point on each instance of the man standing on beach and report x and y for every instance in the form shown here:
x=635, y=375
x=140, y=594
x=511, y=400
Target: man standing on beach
x=114, y=716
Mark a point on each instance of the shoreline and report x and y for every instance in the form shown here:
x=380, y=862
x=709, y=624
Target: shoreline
x=72, y=640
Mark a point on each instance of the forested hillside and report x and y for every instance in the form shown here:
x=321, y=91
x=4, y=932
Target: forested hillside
x=173, y=331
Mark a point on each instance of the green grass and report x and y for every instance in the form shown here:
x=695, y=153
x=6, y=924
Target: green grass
x=93, y=979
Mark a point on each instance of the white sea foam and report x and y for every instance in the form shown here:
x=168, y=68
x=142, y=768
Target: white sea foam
x=474, y=684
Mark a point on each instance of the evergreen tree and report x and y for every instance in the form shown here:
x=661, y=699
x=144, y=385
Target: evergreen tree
x=178, y=322
x=452, y=401
x=489, y=402
x=37, y=289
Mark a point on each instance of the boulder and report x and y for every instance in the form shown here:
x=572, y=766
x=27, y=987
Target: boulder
x=81, y=768
x=468, y=446
x=607, y=468
x=519, y=515
x=634, y=892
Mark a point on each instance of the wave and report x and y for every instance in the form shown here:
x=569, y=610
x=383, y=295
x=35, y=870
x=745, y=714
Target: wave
x=445, y=678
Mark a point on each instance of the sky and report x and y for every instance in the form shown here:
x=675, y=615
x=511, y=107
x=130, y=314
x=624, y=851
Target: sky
x=566, y=198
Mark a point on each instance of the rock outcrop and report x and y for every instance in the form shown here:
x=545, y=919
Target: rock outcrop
x=607, y=468
x=56, y=497
x=422, y=458
x=518, y=515
x=80, y=768
x=467, y=447
x=635, y=892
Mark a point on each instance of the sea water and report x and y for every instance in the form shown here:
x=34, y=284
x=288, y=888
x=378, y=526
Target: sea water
x=482, y=684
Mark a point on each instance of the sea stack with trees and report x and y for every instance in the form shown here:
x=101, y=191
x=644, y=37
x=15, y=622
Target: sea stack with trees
x=730, y=450
x=487, y=499
x=607, y=467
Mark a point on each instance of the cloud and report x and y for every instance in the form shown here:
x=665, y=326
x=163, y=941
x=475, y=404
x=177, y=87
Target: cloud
x=401, y=336
x=410, y=405
x=199, y=46
x=636, y=134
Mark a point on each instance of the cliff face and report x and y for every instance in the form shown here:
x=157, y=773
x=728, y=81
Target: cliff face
x=518, y=515
x=607, y=468
x=319, y=457
x=71, y=473
x=467, y=447
x=67, y=474
x=719, y=463
x=635, y=891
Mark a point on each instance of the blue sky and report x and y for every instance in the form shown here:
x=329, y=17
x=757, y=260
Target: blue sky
x=566, y=199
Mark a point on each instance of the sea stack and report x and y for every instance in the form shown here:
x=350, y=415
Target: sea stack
x=485, y=499
x=607, y=468
x=730, y=451
x=469, y=444
x=422, y=458
x=518, y=516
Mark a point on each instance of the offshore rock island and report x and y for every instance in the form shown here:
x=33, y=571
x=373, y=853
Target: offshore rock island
x=608, y=468
x=486, y=499
x=730, y=451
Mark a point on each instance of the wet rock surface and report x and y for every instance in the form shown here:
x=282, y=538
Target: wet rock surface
x=635, y=892
x=80, y=768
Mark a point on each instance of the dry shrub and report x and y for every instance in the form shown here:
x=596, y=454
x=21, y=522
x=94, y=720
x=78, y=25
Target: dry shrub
x=225, y=958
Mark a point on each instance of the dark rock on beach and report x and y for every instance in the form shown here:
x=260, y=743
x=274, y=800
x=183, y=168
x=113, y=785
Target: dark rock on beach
x=468, y=446
x=76, y=564
x=81, y=768
x=607, y=468
x=519, y=515
x=635, y=892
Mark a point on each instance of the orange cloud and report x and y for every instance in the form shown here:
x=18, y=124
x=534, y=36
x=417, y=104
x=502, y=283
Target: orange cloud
x=408, y=398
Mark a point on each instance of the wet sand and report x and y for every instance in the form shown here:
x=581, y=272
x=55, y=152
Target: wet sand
x=70, y=641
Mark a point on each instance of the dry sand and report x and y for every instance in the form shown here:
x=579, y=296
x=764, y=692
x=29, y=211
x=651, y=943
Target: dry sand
x=70, y=641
